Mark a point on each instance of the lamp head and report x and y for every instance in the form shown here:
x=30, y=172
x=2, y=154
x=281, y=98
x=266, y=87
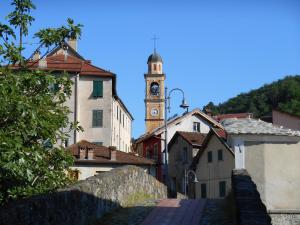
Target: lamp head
x=184, y=104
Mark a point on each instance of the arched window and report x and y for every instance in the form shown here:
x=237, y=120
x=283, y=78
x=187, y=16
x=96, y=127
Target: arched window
x=154, y=67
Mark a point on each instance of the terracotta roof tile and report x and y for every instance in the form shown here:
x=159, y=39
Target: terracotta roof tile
x=60, y=62
x=101, y=155
x=221, y=117
x=194, y=138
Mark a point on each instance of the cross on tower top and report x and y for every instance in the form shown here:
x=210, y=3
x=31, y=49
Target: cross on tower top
x=154, y=42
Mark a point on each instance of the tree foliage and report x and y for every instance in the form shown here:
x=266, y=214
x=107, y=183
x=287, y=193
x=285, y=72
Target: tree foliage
x=283, y=95
x=32, y=112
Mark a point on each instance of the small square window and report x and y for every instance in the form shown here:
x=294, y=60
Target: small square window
x=209, y=156
x=220, y=154
x=196, y=127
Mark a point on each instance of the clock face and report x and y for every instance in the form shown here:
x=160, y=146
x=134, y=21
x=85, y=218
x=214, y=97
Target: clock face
x=154, y=112
x=154, y=88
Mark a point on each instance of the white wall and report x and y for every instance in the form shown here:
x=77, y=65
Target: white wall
x=273, y=164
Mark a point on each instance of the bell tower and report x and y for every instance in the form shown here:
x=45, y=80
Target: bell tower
x=155, y=92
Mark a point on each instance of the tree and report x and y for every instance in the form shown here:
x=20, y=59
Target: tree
x=282, y=95
x=31, y=112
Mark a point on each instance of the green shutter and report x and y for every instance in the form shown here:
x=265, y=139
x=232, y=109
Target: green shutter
x=97, y=118
x=56, y=87
x=97, y=88
x=100, y=117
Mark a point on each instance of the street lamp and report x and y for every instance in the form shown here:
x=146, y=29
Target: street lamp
x=183, y=105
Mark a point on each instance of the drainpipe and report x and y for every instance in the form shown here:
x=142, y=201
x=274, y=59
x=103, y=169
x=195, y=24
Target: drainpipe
x=76, y=108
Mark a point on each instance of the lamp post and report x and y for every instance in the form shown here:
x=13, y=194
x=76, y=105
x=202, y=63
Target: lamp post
x=183, y=105
x=186, y=178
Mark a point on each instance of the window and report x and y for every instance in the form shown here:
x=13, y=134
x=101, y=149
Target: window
x=97, y=88
x=203, y=191
x=98, y=143
x=222, y=188
x=196, y=127
x=67, y=142
x=209, y=156
x=185, y=154
x=56, y=87
x=154, y=67
x=147, y=152
x=155, y=156
x=97, y=118
x=220, y=154
x=120, y=116
x=123, y=119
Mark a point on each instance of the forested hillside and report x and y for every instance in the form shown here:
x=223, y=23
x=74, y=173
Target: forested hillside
x=283, y=95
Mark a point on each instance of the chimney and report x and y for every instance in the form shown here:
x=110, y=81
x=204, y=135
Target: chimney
x=82, y=153
x=112, y=153
x=73, y=43
x=90, y=153
x=207, y=111
x=43, y=63
x=36, y=56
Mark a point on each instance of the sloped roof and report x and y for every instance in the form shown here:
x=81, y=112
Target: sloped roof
x=193, y=138
x=210, y=134
x=161, y=129
x=252, y=126
x=101, y=155
x=68, y=63
x=75, y=63
x=221, y=117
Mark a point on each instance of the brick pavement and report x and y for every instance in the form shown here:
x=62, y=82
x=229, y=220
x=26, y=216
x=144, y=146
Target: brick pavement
x=176, y=212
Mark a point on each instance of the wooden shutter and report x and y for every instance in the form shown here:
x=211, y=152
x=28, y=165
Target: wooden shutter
x=97, y=88
x=97, y=118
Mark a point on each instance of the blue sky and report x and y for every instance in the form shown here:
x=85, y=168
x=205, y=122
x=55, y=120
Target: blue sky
x=212, y=49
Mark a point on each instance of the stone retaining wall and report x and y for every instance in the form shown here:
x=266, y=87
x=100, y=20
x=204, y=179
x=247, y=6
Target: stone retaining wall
x=285, y=218
x=250, y=209
x=84, y=201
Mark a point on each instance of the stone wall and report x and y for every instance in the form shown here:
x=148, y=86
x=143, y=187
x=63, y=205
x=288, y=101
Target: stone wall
x=285, y=218
x=84, y=201
x=249, y=207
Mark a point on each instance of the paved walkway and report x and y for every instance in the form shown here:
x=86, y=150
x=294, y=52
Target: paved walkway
x=176, y=212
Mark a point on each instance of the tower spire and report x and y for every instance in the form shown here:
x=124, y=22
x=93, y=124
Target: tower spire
x=154, y=42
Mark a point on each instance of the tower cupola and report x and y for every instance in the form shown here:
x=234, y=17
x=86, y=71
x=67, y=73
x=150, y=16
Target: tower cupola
x=155, y=63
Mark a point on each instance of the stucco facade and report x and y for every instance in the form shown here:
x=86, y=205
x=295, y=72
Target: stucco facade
x=211, y=174
x=115, y=122
x=181, y=154
x=194, y=121
x=273, y=164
